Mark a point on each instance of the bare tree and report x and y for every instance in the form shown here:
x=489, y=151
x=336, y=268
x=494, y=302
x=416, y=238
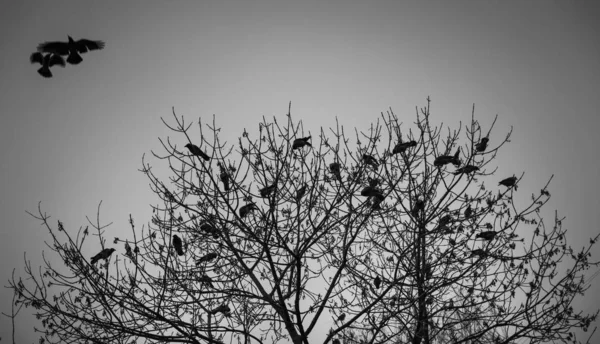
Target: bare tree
x=398, y=236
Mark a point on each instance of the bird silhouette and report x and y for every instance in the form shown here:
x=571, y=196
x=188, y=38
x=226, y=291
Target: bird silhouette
x=197, y=151
x=46, y=61
x=467, y=169
x=207, y=258
x=377, y=282
x=210, y=229
x=509, y=182
x=377, y=200
x=478, y=252
x=266, y=191
x=246, y=209
x=301, y=142
x=482, y=145
x=300, y=193
x=419, y=206
x=222, y=309
x=104, y=254
x=488, y=235
x=370, y=191
x=446, y=159
x=342, y=317
x=72, y=48
x=177, y=244
x=401, y=147
x=334, y=167
x=370, y=160
x=468, y=212
x=204, y=279
x=224, y=176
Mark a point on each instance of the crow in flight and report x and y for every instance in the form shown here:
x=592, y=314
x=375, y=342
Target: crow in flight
x=508, y=182
x=46, y=61
x=301, y=142
x=197, y=151
x=178, y=245
x=104, y=254
x=467, y=169
x=71, y=48
x=482, y=145
x=446, y=159
x=402, y=146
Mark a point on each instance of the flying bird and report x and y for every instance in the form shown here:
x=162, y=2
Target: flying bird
x=246, y=209
x=46, y=61
x=300, y=193
x=72, y=48
x=446, y=159
x=197, y=151
x=177, y=244
x=467, y=169
x=207, y=258
x=266, y=191
x=488, y=235
x=334, y=167
x=377, y=282
x=104, y=254
x=301, y=142
x=509, y=182
x=370, y=160
x=401, y=147
x=482, y=145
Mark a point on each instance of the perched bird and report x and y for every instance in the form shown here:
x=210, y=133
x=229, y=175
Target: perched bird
x=71, y=48
x=468, y=212
x=482, y=145
x=467, y=169
x=419, y=206
x=377, y=199
x=446, y=159
x=488, y=235
x=301, y=142
x=300, y=193
x=369, y=160
x=197, y=151
x=377, y=282
x=245, y=210
x=401, y=147
x=266, y=191
x=342, y=317
x=205, y=280
x=334, y=167
x=104, y=254
x=177, y=244
x=207, y=258
x=478, y=252
x=508, y=182
x=224, y=176
x=46, y=61
x=210, y=229
x=370, y=191
x=222, y=309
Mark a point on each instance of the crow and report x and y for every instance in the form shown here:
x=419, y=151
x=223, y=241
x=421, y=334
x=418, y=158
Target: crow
x=334, y=167
x=478, y=252
x=508, y=182
x=205, y=279
x=266, y=191
x=300, y=193
x=104, y=254
x=467, y=169
x=223, y=309
x=468, y=212
x=197, y=151
x=377, y=202
x=342, y=317
x=210, y=229
x=301, y=142
x=446, y=159
x=419, y=205
x=245, y=210
x=370, y=191
x=225, y=179
x=46, y=61
x=393, y=301
x=207, y=258
x=482, y=145
x=401, y=147
x=377, y=282
x=370, y=160
x=489, y=235
x=71, y=48
x=177, y=244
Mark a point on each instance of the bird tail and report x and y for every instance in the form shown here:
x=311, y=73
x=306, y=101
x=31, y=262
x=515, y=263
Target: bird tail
x=36, y=57
x=45, y=72
x=74, y=58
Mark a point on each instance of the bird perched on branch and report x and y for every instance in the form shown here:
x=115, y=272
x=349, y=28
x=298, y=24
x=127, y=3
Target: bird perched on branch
x=401, y=147
x=46, y=61
x=177, y=244
x=266, y=191
x=488, y=235
x=300, y=193
x=246, y=209
x=224, y=176
x=222, y=309
x=342, y=317
x=205, y=280
x=468, y=212
x=377, y=282
x=301, y=142
x=197, y=151
x=482, y=145
x=478, y=252
x=370, y=160
x=207, y=258
x=104, y=254
x=446, y=159
x=467, y=169
x=509, y=182
x=72, y=48
x=210, y=229
x=334, y=167
x=370, y=191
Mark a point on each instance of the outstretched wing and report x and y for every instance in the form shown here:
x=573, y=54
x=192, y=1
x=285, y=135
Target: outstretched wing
x=56, y=60
x=85, y=45
x=60, y=48
x=37, y=57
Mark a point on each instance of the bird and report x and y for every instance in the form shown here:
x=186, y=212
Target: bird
x=377, y=202
x=342, y=317
x=104, y=254
x=468, y=212
x=377, y=282
x=509, y=182
x=205, y=279
x=72, y=48
x=207, y=258
x=446, y=159
x=177, y=244
x=197, y=151
x=488, y=235
x=370, y=191
x=482, y=145
x=467, y=169
x=401, y=147
x=370, y=160
x=478, y=252
x=246, y=209
x=334, y=167
x=266, y=191
x=419, y=205
x=300, y=193
x=210, y=229
x=223, y=309
x=301, y=142
x=46, y=61
x=335, y=341
x=224, y=176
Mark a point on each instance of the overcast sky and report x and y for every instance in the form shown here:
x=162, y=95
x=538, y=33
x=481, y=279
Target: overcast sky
x=78, y=138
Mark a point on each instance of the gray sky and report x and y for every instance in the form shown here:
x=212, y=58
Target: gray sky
x=78, y=138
